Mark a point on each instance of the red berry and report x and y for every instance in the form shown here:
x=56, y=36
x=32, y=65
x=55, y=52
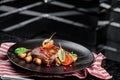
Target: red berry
x=64, y=68
x=48, y=65
x=47, y=55
x=70, y=66
x=41, y=49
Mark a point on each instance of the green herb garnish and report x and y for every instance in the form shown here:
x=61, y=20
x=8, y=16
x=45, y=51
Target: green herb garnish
x=20, y=50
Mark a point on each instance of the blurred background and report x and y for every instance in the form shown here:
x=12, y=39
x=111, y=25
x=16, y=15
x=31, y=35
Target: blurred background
x=92, y=23
x=72, y=19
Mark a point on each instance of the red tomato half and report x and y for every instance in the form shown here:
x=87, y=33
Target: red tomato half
x=68, y=60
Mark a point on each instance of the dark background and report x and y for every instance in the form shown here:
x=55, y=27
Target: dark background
x=71, y=20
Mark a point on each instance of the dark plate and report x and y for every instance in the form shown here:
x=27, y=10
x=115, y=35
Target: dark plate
x=85, y=57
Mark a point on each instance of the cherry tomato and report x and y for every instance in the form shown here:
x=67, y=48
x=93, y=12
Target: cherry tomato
x=68, y=60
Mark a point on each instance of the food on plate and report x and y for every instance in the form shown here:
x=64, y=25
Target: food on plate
x=48, y=43
x=57, y=61
x=47, y=53
x=20, y=50
x=28, y=58
x=37, y=61
x=74, y=56
x=61, y=54
x=68, y=60
x=23, y=55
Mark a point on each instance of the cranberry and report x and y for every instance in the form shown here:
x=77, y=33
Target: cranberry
x=48, y=65
x=70, y=66
x=64, y=68
x=41, y=49
x=47, y=55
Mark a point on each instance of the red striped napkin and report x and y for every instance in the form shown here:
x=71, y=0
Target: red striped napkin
x=95, y=69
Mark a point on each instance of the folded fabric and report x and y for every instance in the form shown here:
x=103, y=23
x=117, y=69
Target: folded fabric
x=95, y=69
